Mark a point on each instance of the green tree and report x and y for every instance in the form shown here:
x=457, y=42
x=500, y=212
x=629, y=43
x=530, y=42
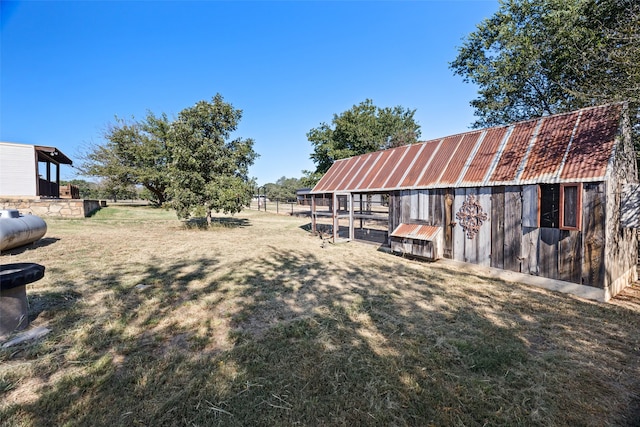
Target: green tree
x=208, y=169
x=135, y=153
x=117, y=190
x=283, y=189
x=539, y=57
x=362, y=129
x=87, y=189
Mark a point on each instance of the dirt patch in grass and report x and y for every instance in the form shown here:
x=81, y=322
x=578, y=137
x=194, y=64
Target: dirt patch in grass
x=256, y=322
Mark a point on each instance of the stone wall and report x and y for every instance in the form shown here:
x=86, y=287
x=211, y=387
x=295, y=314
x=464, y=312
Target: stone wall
x=63, y=208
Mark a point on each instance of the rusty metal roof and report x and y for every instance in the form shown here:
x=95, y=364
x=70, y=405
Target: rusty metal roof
x=416, y=231
x=570, y=147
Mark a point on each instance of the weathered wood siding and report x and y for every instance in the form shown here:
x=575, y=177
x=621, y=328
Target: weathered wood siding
x=510, y=238
x=593, y=222
x=421, y=248
x=497, y=227
x=621, y=245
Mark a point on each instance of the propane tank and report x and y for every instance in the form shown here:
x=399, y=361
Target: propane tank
x=18, y=230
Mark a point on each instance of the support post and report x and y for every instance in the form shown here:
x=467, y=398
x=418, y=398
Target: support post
x=313, y=215
x=334, y=216
x=351, y=220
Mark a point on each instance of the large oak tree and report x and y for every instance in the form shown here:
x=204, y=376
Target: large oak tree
x=209, y=169
x=538, y=57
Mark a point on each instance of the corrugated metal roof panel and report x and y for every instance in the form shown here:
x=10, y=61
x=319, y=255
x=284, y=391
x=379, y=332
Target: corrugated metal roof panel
x=396, y=177
x=567, y=147
x=513, y=153
x=360, y=168
x=459, y=158
x=440, y=160
x=593, y=143
x=422, y=161
x=485, y=155
x=389, y=160
x=327, y=180
x=416, y=231
x=549, y=147
x=372, y=169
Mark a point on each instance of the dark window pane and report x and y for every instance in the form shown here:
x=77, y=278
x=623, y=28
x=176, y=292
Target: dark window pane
x=570, y=208
x=549, y=205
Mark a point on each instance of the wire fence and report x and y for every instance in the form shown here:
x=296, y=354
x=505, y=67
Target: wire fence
x=279, y=206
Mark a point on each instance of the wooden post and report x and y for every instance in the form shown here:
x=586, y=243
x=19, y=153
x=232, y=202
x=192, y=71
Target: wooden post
x=334, y=216
x=58, y=180
x=313, y=214
x=351, y=230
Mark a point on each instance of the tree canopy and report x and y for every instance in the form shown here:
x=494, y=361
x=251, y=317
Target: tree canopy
x=539, y=57
x=190, y=163
x=283, y=189
x=362, y=129
x=135, y=153
x=208, y=169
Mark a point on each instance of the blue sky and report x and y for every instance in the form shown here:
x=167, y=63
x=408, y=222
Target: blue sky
x=67, y=68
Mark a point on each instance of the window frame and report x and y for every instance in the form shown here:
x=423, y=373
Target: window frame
x=578, y=208
x=560, y=201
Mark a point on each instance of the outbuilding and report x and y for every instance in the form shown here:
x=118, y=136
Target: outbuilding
x=542, y=197
x=30, y=182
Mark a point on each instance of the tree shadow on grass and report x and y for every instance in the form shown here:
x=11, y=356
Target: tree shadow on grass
x=294, y=338
x=226, y=222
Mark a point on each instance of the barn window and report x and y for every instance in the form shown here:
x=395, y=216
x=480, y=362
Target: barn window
x=571, y=206
x=560, y=206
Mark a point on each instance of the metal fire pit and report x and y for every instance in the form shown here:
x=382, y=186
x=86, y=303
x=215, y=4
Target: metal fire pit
x=14, y=309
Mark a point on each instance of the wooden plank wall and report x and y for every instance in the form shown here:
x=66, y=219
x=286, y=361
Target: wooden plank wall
x=497, y=227
x=593, y=222
x=484, y=235
x=448, y=219
x=510, y=238
x=548, y=252
x=530, y=230
x=570, y=256
x=512, y=227
x=394, y=212
x=470, y=245
x=458, y=232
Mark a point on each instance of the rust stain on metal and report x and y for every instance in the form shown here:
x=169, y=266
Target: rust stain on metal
x=459, y=158
x=567, y=147
x=549, y=146
x=421, y=162
x=440, y=160
x=485, y=155
x=361, y=168
x=593, y=143
x=514, y=151
x=403, y=166
x=416, y=231
x=387, y=164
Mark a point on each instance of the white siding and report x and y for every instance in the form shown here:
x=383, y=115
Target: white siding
x=17, y=170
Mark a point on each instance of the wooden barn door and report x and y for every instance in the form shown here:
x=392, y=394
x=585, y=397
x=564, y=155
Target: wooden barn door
x=448, y=226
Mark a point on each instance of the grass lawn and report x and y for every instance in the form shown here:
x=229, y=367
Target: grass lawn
x=254, y=323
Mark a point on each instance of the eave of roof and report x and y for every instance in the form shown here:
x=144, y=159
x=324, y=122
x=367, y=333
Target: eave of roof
x=53, y=154
x=569, y=147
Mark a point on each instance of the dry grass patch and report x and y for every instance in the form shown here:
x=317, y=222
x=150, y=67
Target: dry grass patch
x=254, y=323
